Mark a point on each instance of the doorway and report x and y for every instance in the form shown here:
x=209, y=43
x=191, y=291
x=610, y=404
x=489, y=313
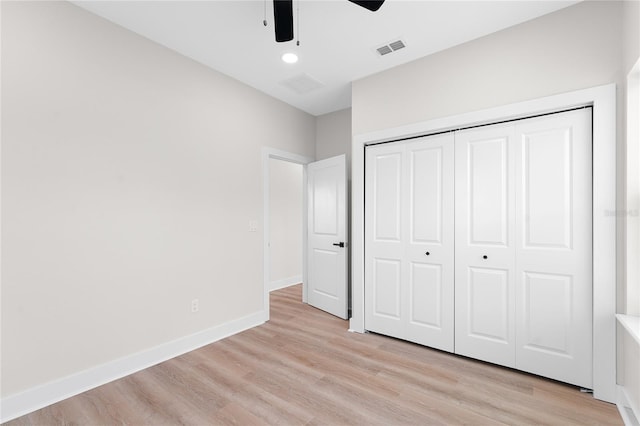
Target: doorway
x=292, y=165
x=285, y=223
x=324, y=274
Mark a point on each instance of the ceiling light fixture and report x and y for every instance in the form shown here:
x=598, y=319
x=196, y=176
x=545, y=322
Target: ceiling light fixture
x=290, y=58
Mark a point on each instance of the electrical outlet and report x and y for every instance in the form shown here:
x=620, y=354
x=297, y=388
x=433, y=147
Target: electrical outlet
x=195, y=305
x=253, y=226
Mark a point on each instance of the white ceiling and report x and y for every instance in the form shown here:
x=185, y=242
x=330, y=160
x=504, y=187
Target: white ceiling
x=338, y=39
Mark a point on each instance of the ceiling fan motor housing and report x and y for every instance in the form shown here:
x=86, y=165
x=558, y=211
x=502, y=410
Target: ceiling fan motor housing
x=283, y=16
x=283, y=19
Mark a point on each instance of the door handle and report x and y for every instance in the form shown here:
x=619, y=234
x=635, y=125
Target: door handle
x=340, y=244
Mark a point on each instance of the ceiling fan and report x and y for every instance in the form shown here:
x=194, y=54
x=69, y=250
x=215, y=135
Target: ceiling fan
x=283, y=16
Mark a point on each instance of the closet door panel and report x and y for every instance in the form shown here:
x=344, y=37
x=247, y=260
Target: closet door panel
x=384, y=246
x=425, y=295
x=553, y=277
x=488, y=304
x=386, y=288
x=387, y=194
x=546, y=189
x=484, y=234
x=487, y=184
x=426, y=193
x=429, y=241
x=546, y=314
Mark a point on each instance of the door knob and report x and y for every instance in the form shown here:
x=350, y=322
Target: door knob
x=485, y=257
x=340, y=244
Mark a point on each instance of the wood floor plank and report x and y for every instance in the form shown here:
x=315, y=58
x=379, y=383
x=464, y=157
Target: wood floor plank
x=304, y=367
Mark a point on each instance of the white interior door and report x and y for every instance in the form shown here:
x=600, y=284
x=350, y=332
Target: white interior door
x=553, y=240
x=410, y=246
x=327, y=236
x=485, y=251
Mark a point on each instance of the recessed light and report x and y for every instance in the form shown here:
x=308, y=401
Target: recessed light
x=290, y=58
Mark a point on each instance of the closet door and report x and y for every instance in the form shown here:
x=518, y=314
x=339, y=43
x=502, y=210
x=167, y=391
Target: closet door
x=485, y=244
x=384, y=233
x=409, y=245
x=553, y=256
x=429, y=242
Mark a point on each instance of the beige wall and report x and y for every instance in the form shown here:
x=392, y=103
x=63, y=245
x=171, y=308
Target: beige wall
x=285, y=217
x=631, y=56
x=575, y=48
x=129, y=177
x=333, y=134
x=631, y=34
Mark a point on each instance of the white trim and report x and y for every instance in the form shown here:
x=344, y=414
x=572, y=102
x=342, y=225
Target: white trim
x=603, y=100
x=604, y=240
x=632, y=200
x=38, y=397
x=631, y=326
x=631, y=323
x=268, y=153
x=623, y=403
x=285, y=282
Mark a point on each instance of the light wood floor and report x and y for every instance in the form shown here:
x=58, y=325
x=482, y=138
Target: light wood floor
x=304, y=367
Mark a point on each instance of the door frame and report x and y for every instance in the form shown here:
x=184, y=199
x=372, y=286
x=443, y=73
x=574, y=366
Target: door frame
x=276, y=154
x=603, y=101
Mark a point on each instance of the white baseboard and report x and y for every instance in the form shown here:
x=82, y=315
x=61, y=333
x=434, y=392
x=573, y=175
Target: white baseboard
x=25, y=402
x=285, y=282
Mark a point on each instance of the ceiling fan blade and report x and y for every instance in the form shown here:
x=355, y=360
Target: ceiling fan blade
x=283, y=19
x=371, y=5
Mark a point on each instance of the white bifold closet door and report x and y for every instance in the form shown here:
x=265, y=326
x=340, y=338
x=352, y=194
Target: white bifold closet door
x=485, y=244
x=523, y=245
x=409, y=246
x=554, y=284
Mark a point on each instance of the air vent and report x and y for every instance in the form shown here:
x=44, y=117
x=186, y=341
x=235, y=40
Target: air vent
x=384, y=50
x=390, y=47
x=396, y=45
